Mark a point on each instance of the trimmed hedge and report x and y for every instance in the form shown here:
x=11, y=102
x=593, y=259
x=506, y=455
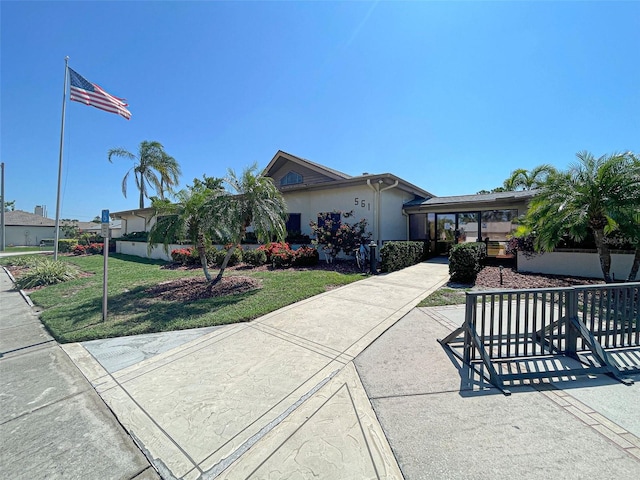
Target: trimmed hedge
x=67, y=245
x=398, y=255
x=465, y=261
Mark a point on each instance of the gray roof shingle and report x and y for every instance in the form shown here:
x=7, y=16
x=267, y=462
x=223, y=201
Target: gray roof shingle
x=22, y=218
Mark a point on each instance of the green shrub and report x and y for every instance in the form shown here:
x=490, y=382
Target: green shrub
x=465, y=261
x=255, y=257
x=47, y=272
x=218, y=256
x=306, y=257
x=398, y=255
x=67, y=245
x=135, y=237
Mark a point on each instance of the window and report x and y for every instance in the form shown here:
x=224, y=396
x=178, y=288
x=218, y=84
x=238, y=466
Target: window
x=291, y=178
x=294, y=225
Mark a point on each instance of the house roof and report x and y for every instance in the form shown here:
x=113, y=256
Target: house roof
x=337, y=178
x=24, y=219
x=282, y=157
x=472, y=200
x=133, y=211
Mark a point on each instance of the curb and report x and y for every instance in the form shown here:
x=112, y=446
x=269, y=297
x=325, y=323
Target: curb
x=22, y=292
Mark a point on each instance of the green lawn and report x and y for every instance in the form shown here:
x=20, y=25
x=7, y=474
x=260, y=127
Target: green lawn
x=27, y=249
x=72, y=311
x=445, y=296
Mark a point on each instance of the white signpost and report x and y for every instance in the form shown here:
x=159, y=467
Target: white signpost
x=105, y=252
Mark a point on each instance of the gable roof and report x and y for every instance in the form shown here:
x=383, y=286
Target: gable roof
x=335, y=178
x=280, y=158
x=24, y=219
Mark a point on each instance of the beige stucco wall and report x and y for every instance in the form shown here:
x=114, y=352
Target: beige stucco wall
x=27, y=235
x=359, y=198
x=132, y=223
x=139, y=249
x=575, y=264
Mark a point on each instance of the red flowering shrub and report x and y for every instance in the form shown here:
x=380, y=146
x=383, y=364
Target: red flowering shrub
x=274, y=247
x=305, y=257
x=181, y=255
x=94, y=248
x=79, y=250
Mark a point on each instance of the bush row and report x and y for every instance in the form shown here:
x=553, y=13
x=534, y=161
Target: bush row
x=398, y=255
x=91, y=249
x=280, y=255
x=465, y=261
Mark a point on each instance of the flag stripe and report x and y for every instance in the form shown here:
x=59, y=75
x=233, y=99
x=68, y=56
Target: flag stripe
x=99, y=101
x=88, y=93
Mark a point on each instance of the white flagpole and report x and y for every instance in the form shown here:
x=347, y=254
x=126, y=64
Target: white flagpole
x=64, y=105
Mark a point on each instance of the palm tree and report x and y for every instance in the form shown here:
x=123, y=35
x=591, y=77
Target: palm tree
x=150, y=161
x=528, y=179
x=189, y=218
x=596, y=194
x=254, y=201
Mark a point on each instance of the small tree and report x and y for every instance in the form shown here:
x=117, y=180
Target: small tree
x=70, y=228
x=254, y=201
x=190, y=218
x=599, y=195
x=335, y=236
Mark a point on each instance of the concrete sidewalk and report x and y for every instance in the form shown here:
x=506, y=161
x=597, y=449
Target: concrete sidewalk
x=52, y=422
x=443, y=423
x=278, y=397
x=350, y=384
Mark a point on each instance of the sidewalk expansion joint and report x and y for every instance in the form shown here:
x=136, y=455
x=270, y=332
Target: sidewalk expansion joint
x=610, y=430
x=226, y=462
x=49, y=404
x=2, y=354
x=424, y=394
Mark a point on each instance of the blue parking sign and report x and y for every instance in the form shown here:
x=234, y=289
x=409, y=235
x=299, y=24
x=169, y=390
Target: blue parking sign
x=105, y=216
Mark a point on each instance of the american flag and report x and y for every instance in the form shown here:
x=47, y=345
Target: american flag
x=84, y=91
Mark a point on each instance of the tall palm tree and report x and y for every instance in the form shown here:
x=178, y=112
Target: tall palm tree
x=253, y=201
x=189, y=218
x=150, y=161
x=528, y=179
x=596, y=194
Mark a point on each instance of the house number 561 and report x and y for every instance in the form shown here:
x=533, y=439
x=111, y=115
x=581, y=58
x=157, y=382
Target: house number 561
x=361, y=203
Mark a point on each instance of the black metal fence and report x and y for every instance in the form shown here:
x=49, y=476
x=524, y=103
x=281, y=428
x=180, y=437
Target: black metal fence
x=510, y=333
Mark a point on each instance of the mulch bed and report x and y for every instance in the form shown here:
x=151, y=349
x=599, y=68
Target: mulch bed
x=489, y=278
x=195, y=288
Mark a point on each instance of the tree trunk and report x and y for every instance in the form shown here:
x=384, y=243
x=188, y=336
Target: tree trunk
x=604, y=253
x=224, y=264
x=636, y=265
x=202, y=253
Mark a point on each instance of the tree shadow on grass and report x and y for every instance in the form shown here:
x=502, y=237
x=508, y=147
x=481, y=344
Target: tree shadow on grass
x=134, y=312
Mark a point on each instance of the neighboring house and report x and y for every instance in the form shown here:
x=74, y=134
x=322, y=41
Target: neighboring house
x=27, y=229
x=310, y=189
x=444, y=221
x=96, y=228
x=135, y=220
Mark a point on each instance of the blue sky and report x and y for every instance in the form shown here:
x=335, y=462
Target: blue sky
x=451, y=96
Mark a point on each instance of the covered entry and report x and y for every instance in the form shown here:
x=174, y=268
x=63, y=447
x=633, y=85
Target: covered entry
x=445, y=221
